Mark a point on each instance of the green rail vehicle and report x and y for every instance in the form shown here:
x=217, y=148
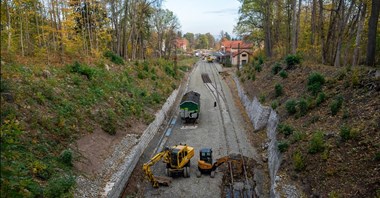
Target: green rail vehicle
x=190, y=106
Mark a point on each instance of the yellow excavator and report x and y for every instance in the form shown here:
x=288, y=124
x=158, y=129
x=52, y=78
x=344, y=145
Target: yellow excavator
x=177, y=160
x=206, y=165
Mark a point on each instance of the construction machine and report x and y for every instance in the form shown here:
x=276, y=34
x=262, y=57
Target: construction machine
x=206, y=165
x=177, y=160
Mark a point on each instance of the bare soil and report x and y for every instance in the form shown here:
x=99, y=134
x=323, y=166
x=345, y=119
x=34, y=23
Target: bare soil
x=94, y=148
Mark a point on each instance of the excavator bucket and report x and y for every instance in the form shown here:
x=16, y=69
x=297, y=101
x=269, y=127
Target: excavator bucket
x=163, y=181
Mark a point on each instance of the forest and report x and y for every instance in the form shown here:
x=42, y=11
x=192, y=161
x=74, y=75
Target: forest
x=52, y=29
x=331, y=32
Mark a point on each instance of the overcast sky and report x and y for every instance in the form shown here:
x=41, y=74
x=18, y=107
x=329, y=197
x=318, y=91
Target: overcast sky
x=203, y=16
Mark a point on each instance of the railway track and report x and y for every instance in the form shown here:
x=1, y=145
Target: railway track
x=236, y=188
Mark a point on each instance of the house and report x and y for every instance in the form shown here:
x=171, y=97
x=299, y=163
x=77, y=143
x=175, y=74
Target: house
x=238, y=51
x=181, y=44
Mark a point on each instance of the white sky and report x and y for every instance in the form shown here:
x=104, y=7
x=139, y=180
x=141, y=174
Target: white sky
x=203, y=16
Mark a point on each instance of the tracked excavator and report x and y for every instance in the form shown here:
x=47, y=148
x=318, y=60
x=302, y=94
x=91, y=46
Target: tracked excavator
x=206, y=165
x=177, y=160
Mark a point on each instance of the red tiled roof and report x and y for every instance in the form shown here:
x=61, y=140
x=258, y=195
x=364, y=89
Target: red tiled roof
x=236, y=53
x=234, y=45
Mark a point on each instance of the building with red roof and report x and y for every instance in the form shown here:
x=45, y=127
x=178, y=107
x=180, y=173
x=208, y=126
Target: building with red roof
x=182, y=44
x=238, y=51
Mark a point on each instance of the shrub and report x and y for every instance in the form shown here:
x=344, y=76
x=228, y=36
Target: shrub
x=262, y=98
x=345, y=132
x=41, y=170
x=58, y=187
x=278, y=90
x=141, y=75
x=290, y=106
x=282, y=146
x=274, y=104
x=377, y=156
x=114, y=57
x=285, y=129
x=317, y=143
x=66, y=157
x=276, y=68
x=298, y=136
x=303, y=107
x=316, y=77
x=170, y=71
x=283, y=74
x=4, y=85
x=336, y=105
x=355, y=80
x=292, y=60
x=258, y=68
x=321, y=98
x=156, y=97
x=252, y=76
x=146, y=66
x=260, y=60
x=298, y=161
x=238, y=73
x=346, y=114
x=83, y=70
x=315, y=83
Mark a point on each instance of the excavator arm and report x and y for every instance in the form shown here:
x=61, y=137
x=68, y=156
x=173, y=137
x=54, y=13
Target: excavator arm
x=148, y=172
x=219, y=162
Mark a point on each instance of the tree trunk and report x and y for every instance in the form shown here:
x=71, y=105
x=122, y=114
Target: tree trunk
x=372, y=29
x=313, y=22
x=267, y=30
x=298, y=23
x=362, y=9
x=9, y=29
x=21, y=36
x=59, y=29
x=340, y=29
x=321, y=33
x=289, y=28
x=88, y=24
x=294, y=26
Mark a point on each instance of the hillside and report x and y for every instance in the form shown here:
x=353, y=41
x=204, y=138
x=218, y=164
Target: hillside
x=329, y=124
x=46, y=109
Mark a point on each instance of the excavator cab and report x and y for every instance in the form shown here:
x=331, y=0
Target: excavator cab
x=205, y=155
x=206, y=164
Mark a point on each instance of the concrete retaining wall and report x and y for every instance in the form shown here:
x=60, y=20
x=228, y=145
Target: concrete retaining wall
x=261, y=117
x=116, y=184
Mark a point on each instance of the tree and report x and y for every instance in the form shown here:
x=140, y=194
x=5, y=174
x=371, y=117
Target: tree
x=372, y=29
x=191, y=38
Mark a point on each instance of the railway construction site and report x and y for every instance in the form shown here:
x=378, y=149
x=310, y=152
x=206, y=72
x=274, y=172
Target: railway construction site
x=221, y=126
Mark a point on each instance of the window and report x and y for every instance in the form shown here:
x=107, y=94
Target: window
x=244, y=55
